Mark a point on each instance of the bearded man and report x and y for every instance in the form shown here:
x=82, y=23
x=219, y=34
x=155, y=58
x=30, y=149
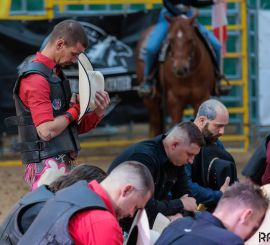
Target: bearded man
x=211, y=119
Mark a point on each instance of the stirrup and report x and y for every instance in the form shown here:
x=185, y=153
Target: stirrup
x=145, y=89
x=222, y=89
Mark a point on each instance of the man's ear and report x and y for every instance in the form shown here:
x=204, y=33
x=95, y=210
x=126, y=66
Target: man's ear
x=202, y=121
x=60, y=43
x=175, y=144
x=126, y=190
x=245, y=216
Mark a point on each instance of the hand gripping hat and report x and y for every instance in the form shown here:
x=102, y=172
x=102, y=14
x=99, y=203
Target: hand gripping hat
x=215, y=166
x=90, y=82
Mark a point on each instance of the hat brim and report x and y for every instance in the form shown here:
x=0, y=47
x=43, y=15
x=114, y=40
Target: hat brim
x=218, y=170
x=215, y=160
x=84, y=66
x=139, y=232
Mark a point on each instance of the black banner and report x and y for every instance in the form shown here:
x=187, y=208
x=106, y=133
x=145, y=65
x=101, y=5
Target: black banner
x=112, y=43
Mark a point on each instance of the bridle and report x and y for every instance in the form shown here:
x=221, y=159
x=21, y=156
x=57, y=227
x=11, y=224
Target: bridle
x=190, y=58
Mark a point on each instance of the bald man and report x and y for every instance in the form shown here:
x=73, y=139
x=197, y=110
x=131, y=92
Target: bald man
x=211, y=119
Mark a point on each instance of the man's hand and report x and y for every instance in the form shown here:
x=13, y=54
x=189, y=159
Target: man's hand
x=189, y=203
x=226, y=184
x=102, y=101
x=175, y=217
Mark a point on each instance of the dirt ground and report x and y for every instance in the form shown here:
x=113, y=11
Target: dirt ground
x=12, y=186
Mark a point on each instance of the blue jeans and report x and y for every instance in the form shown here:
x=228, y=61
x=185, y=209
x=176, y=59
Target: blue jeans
x=154, y=42
x=158, y=34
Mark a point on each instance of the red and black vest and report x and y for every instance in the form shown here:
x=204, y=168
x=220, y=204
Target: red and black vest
x=32, y=148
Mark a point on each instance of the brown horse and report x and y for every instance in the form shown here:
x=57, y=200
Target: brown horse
x=187, y=76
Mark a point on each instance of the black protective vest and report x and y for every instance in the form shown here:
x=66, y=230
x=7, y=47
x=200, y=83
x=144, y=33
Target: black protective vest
x=51, y=225
x=24, y=211
x=255, y=167
x=32, y=148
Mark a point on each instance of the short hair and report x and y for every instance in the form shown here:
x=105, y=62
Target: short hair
x=71, y=31
x=209, y=109
x=134, y=173
x=189, y=132
x=80, y=172
x=240, y=194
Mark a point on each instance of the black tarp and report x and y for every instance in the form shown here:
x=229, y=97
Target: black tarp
x=19, y=39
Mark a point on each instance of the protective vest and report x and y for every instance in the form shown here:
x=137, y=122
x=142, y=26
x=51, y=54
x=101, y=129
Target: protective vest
x=34, y=149
x=255, y=166
x=24, y=211
x=51, y=225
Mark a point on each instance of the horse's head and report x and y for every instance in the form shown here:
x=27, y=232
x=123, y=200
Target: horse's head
x=182, y=39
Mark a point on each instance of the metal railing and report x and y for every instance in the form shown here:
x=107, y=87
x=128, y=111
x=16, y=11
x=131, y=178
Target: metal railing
x=52, y=8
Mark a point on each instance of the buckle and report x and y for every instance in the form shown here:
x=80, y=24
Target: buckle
x=40, y=145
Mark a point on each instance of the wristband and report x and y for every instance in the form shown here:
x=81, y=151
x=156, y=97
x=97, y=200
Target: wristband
x=68, y=117
x=72, y=113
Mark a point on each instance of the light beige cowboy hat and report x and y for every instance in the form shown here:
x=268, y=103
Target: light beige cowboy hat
x=139, y=233
x=90, y=82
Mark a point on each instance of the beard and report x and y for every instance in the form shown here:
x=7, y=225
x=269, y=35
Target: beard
x=208, y=135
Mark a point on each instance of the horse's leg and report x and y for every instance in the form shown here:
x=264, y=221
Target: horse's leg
x=155, y=116
x=175, y=107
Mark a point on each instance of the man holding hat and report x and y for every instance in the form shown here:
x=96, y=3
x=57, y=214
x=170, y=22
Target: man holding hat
x=46, y=111
x=213, y=163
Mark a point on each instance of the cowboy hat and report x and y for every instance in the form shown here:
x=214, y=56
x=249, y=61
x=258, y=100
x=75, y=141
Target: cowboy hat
x=90, y=82
x=139, y=233
x=214, y=166
x=218, y=170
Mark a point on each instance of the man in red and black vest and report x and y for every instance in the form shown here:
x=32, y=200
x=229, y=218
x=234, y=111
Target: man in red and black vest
x=46, y=114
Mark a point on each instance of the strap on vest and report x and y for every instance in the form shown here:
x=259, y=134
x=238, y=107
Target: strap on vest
x=33, y=146
x=35, y=66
